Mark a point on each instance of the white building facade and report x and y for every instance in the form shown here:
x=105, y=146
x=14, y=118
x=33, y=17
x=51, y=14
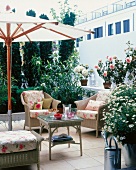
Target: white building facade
x=114, y=26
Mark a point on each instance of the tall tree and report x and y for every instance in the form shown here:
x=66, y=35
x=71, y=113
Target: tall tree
x=16, y=64
x=31, y=13
x=67, y=46
x=3, y=59
x=66, y=17
x=45, y=47
x=31, y=49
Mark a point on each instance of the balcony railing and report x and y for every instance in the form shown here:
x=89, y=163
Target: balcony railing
x=106, y=10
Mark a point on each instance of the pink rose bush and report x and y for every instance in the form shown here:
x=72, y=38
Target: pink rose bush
x=115, y=70
x=112, y=70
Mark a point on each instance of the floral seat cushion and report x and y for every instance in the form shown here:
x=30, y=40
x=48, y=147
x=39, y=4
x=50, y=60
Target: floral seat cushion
x=35, y=113
x=17, y=141
x=32, y=97
x=87, y=114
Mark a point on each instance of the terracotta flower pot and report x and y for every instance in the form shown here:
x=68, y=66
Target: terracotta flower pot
x=107, y=85
x=84, y=82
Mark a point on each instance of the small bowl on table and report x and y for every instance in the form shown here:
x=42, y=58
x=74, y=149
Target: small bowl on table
x=58, y=116
x=71, y=115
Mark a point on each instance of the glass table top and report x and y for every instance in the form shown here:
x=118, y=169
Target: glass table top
x=52, y=118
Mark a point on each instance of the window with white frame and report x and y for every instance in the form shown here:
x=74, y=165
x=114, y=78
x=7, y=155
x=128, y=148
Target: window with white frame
x=88, y=36
x=98, y=32
x=126, y=26
x=110, y=29
x=118, y=27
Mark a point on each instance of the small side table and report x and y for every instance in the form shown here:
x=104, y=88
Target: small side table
x=52, y=125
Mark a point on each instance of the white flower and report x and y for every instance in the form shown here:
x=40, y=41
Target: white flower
x=77, y=69
x=81, y=68
x=131, y=125
x=38, y=63
x=43, y=84
x=85, y=72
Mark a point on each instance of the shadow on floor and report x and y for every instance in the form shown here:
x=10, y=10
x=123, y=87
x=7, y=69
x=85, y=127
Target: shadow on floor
x=18, y=168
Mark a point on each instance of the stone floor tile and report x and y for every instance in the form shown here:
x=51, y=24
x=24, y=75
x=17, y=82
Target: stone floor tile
x=84, y=163
x=64, y=157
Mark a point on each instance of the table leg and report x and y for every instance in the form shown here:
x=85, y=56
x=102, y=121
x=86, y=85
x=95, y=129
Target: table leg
x=68, y=134
x=80, y=138
x=50, y=136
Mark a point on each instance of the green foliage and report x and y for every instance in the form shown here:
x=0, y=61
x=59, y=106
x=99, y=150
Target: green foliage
x=64, y=8
x=31, y=49
x=3, y=59
x=16, y=63
x=67, y=46
x=65, y=17
x=45, y=47
x=131, y=66
x=31, y=13
x=60, y=80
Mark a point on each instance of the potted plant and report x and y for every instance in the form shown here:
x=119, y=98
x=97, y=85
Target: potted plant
x=61, y=82
x=82, y=72
x=120, y=119
x=105, y=71
x=130, y=62
x=116, y=70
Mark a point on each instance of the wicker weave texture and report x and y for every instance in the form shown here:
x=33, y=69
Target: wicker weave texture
x=19, y=158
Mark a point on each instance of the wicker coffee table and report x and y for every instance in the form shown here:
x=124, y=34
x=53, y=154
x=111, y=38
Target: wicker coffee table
x=50, y=123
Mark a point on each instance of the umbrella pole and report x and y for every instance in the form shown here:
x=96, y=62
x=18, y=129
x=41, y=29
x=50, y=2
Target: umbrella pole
x=8, y=44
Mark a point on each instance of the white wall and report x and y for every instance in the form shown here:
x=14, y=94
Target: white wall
x=92, y=50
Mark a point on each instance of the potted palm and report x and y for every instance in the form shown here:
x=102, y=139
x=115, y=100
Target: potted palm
x=120, y=119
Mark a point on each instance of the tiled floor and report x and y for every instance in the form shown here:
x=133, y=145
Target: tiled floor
x=64, y=158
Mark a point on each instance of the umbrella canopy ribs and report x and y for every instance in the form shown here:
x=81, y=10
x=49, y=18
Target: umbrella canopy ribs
x=18, y=28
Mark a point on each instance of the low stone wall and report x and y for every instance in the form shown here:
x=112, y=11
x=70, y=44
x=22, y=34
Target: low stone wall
x=15, y=116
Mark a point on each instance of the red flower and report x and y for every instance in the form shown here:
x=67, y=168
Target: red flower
x=21, y=146
x=105, y=74
x=36, y=113
x=8, y=8
x=112, y=66
x=38, y=106
x=97, y=67
x=4, y=148
x=128, y=60
x=110, y=58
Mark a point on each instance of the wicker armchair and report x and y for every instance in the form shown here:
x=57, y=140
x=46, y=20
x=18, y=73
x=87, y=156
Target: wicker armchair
x=31, y=114
x=92, y=118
